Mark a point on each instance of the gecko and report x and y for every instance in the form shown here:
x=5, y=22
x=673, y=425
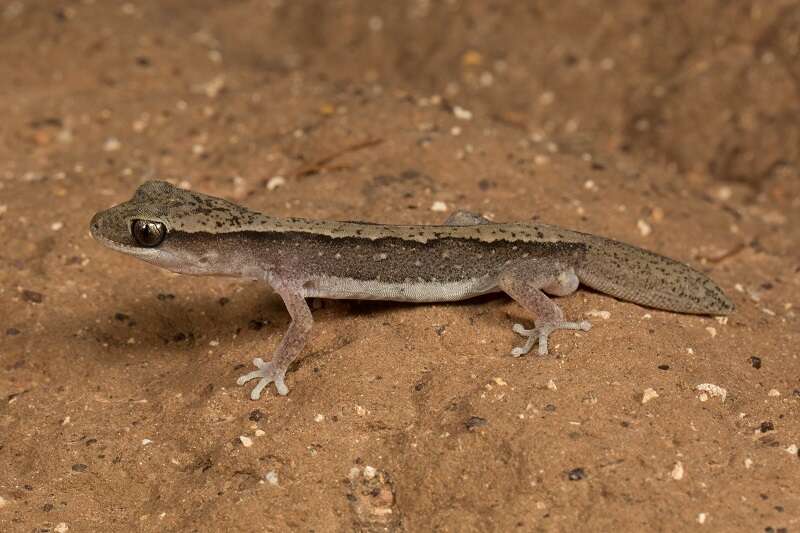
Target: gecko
x=467, y=256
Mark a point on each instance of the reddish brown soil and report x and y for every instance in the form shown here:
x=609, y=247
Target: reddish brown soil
x=671, y=125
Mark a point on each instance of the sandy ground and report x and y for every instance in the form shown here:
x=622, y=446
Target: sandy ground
x=674, y=126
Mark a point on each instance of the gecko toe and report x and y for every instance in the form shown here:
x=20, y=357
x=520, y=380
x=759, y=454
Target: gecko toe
x=541, y=333
x=267, y=373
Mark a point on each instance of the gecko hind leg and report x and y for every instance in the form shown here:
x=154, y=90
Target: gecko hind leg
x=524, y=285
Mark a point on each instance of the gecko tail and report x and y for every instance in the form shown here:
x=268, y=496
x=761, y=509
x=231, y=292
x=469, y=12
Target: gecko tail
x=646, y=278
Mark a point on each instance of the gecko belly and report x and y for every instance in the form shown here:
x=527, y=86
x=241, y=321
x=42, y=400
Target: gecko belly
x=407, y=291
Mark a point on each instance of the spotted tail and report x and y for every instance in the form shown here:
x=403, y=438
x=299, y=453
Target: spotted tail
x=639, y=276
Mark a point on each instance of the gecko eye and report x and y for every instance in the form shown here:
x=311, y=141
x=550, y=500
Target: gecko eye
x=148, y=233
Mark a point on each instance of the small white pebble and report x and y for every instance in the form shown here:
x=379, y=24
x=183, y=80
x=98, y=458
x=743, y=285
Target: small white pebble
x=275, y=182
x=701, y=518
x=590, y=185
x=61, y=527
x=439, y=206
x=677, y=471
x=375, y=23
x=360, y=411
x=722, y=320
x=711, y=331
x=260, y=433
x=272, y=478
x=547, y=98
x=649, y=394
x=703, y=397
x=213, y=343
x=552, y=385
x=690, y=351
x=605, y=315
x=462, y=114
x=55, y=226
x=774, y=393
x=319, y=418
x=455, y=131
x=723, y=193
x=369, y=472
x=500, y=381
x=748, y=463
x=792, y=449
x=112, y=144
x=66, y=421
x=647, y=316
x=713, y=390
x=145, y=442
x=644, y=227
x=246, y=441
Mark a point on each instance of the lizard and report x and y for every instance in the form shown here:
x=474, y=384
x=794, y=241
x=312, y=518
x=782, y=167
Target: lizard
x=193, y=233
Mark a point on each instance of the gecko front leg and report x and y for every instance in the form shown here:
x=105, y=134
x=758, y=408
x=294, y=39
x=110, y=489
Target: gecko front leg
x=290, y=347
x=524, y=283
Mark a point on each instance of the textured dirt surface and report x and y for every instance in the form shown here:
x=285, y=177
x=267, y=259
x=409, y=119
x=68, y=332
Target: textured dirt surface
x=670, y=125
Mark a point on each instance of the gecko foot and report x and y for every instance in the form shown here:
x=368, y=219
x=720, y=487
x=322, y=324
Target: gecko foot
x=540, y=334
x=267, y=373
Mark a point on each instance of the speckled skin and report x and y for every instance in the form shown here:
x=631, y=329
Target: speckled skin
x=465, y=257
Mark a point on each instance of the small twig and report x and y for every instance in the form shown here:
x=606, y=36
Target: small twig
x=317, y=166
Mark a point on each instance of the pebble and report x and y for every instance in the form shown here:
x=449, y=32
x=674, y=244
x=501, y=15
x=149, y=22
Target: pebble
x=576, y=474
x=369, y=472
x=774, y=393
x=319, y=418
x=461, y=113
x=649, y=394
x=475, y=422
x=272, y=478
x=748, y=463
x=61, y=527
x=595, y=313
x=677, y=471
x=32, y=296
x=711, y=331
x=439, y=206
x=260, y=433
x=112, y=144
x=145, y=442
x=702, y=517
x=644, y=227
x=275, y=182
x=552, y=385
x=713, y=390
x=246, y=441
x=55, y=226
x=792, y=449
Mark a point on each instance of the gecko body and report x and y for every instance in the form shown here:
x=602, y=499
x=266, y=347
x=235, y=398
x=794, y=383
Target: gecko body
x=193, y=233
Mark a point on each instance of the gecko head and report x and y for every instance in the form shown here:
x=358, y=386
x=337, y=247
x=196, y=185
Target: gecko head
x=168, y=226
